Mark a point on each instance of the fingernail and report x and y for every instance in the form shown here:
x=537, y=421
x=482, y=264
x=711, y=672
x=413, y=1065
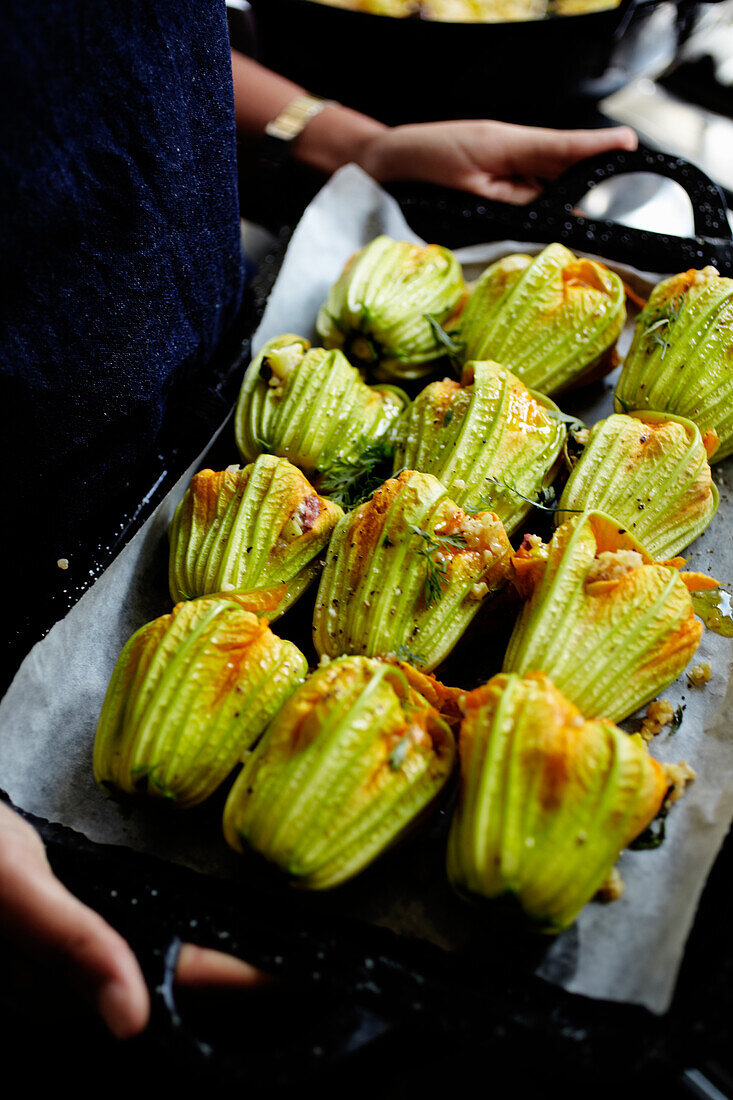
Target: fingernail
x=115, y=1008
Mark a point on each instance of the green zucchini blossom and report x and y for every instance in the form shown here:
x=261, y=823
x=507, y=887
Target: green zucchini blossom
x=190, y=693
x=553, y=319
x=379, y=311
x=352, y=759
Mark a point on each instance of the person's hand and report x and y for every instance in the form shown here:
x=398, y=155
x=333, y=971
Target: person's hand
x=51, y=940
x=57, y=939
x=497, y=160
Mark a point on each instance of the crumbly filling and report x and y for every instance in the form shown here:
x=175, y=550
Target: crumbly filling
x=481, y=532
x=610, y=565
x=612, y=887
x=280, y=362
x=678, y=775
x=303, y=518
x=700, y=674
x=658, y=715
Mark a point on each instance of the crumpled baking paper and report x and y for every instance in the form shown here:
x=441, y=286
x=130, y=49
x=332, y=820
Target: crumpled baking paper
x=628, y=951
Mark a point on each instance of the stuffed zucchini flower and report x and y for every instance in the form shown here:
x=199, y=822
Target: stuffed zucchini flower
x=354, y=756
x=610, y=626
x=548, y=799
x=190, y=693
x=378, y=311
x=491, y=441
x=241, y=529
x=552, y=319
x=310, y=406
x=681, y=357
x=406, y=572
x=649, y=471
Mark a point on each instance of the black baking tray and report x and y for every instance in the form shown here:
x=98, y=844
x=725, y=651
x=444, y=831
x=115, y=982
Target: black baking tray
x=358, y=1006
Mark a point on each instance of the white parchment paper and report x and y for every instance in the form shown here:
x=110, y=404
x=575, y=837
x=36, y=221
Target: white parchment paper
x=628, y=951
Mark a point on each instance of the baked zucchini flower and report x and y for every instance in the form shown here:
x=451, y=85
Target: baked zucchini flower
x=681, y=357
x=406, y=572
x=610, y=626
x=310, y=406
x=378, y=312
x=190, y=693
x=649, y=471
x=491, y=441
x=241, y=529
x=354, y=756
x=553, y=319
x=548, y=799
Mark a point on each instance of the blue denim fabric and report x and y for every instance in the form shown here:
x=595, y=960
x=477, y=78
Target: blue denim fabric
x=120, y=254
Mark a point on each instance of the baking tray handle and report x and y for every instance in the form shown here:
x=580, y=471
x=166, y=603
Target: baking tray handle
x=708, y=202
x=456, y=218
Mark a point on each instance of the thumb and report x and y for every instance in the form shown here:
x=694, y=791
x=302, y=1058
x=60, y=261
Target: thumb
x=549, y=153
x=53, y=928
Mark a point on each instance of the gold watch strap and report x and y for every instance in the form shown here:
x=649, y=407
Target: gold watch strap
x=294, y=117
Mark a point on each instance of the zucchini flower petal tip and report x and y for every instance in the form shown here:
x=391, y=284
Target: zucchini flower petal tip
x=311, y=406
x=382, y=310
x=681, y=356
x=547, y=801
x=190, y=693
x=239, y=530
x=353, y=758
x=650, y=471
x=406, y=572
x=553, y=319
x=610, y=626
x=492, y=442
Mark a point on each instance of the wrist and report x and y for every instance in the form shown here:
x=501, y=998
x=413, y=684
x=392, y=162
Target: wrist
x=336, y=136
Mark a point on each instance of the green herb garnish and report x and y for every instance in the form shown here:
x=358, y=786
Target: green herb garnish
x=404, y=653
x=546, y=499
x=657, y=332
x=436, y=574
x=349, y=482
x=676, y=720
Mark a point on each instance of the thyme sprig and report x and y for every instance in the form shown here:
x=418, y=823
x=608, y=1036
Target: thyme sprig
x=657, y=332
x=436, y=574
x=349, y=482
x=546, y=499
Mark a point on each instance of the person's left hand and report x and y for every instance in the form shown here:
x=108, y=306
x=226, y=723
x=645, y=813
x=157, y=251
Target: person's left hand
x=497, y=160
x=52, y=944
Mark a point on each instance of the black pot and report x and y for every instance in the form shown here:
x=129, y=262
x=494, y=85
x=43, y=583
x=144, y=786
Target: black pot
x=409, y=70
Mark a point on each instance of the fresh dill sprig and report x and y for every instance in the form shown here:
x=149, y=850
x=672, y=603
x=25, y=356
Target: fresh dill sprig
x=349, y=482
x=657, y=332
x=436, y=574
